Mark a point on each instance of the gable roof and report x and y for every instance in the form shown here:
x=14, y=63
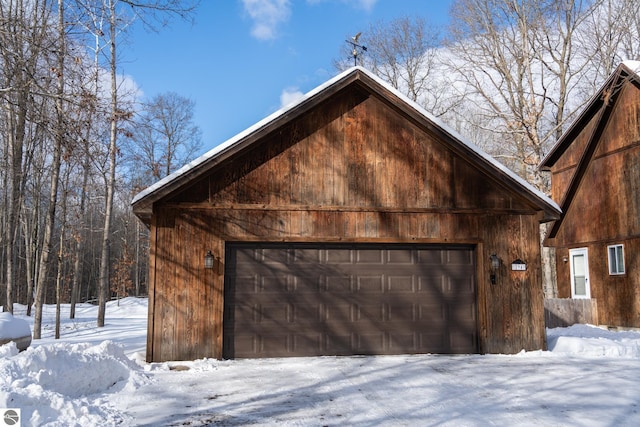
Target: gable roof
x=600, y=107
x=142, y=203
x=627, y=70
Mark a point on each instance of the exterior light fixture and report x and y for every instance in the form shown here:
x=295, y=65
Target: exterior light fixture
x=208, y=260
x=495, y=265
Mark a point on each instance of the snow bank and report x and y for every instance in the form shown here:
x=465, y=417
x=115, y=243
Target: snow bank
x=52, y=383
x=589, y=340
x=10, y=327
x=88, y=378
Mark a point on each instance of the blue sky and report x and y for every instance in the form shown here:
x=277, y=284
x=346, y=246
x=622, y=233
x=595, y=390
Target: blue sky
x=241, y=58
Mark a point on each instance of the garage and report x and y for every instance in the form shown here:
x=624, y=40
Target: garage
x=352, y=222
x=348, y=299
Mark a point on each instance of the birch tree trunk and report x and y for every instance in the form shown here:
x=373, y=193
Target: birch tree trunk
x=103, y=285
x=55, y=177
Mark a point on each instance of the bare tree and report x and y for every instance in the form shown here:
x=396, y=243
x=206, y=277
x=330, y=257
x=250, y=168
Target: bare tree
x=406, y=52
x=146, y=11
x=163, y=137
x=53, y=121
x=612, y=34
x=524, y=65
x=495, y=55
x=59, y=136
x=22, y=45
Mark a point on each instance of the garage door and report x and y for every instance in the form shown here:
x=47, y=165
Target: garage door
x=355, y=299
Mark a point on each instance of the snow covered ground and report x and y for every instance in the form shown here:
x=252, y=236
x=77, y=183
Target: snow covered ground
x=98, y=377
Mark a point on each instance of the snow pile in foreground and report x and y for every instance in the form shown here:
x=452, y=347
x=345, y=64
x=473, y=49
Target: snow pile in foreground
x=51, y=383
x=90, y=377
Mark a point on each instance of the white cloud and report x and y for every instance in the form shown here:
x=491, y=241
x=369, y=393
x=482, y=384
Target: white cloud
x=364, y=4
x=290, y=95
x=266, y=16
x=356, y=4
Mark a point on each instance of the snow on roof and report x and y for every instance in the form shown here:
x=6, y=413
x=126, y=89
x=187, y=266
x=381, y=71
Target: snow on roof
x=633, y=66
x=262, y=123
x=237, y=138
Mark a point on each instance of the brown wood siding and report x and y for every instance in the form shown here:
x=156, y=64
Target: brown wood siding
x=603, y=209
x=623, y=126
x=515, y=303
x=618, y=296
x=565, y=167
x=606, y=211
x=354, y=170
x=510, y=312
x=392, y=164
x=185, y=296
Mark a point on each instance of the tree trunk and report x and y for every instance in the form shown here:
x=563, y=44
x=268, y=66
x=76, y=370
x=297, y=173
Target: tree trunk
x=77, y=264
x=55, y=177
x=103, y=286
x=60, y=266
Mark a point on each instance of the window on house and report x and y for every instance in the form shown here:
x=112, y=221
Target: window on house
x=616, y=259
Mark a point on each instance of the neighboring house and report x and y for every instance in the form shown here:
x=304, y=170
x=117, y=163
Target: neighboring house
x=352, y=222
x=595, y=169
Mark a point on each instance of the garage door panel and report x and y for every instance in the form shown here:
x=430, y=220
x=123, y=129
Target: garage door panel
x=340, y=313
x=459, y=258
x=431, y=284
x=306, y=284
x=369, y=284
x=338, y=284
x=369, y=316
x=243, y=344
x=311, y=314
x=429, y=257
x=369, y=256
x=274, y=344
x=432, y=312
x=306, y=256
x=272, y=284
x=272, y=257
x=400, y=284
x=400, y=256
x=342, y=299
x=466, y=312
x=433, y=342
x=306, y=343
x=369, y=343
x=400, y=342
x=461, y=286
x=264, y=316
x=399, y=312
x=460, y=341
x=338, y=256
x=339, y=344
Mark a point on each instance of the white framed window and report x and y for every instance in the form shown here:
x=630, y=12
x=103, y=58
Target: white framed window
x=616, y=259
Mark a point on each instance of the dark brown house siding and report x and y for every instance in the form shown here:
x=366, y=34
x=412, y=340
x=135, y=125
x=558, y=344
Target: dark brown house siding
x=354, y=165
x=596, y=178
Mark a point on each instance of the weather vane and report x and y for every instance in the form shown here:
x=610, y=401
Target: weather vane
x=357, y=48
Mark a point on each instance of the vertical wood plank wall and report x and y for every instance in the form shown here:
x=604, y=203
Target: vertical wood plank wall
x=605, y=211
x=354, y=170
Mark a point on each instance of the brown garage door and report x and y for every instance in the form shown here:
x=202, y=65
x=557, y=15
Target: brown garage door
x=345, y=299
